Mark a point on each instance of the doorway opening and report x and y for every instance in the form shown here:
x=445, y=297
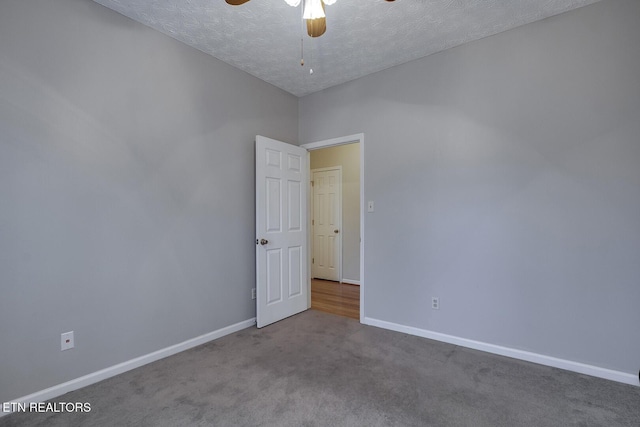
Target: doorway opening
x=336, y=225
x=336, y=298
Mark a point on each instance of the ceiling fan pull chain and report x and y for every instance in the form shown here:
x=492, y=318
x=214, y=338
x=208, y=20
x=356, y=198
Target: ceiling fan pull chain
x=310, y=59
x=301, y=36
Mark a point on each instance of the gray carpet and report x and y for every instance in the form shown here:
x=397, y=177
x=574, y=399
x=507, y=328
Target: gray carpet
x=317, y=369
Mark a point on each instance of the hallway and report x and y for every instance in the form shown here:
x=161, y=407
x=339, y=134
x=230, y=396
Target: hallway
x=336, y=298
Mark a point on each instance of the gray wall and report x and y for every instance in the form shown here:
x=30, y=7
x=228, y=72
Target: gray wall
x=126, y=190
x=506, y=177
x=347, y=156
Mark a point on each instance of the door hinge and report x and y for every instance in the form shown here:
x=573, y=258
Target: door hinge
x=313, y=222
x=312, y=183
x=313, y=260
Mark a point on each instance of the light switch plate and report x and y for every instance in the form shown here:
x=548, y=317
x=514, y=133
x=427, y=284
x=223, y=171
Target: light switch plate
x=370, y=207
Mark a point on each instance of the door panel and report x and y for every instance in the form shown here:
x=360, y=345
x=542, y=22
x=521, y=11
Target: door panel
x=281, y=231
x=274, y=279
x=295, y=272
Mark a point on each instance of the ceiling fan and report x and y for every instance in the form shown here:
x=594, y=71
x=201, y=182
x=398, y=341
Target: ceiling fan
x=312, y=13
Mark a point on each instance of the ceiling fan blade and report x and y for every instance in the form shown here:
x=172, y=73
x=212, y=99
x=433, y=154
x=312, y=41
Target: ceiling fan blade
x=316, y=27
x=236, y=2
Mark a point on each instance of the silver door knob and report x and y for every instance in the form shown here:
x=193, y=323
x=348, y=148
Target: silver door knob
x=336, y=231
x=263, y=241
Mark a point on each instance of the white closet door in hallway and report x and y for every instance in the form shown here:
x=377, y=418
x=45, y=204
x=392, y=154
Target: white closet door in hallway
x=327, y=223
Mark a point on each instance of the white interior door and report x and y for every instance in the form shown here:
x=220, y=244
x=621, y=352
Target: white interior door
x=281, y=230
x=327, y=224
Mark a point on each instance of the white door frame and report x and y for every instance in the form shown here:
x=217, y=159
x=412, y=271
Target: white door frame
x=312, y=212
x=349, y=139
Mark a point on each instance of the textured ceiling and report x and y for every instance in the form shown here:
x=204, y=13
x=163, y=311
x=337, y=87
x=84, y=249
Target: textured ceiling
x=263, y=37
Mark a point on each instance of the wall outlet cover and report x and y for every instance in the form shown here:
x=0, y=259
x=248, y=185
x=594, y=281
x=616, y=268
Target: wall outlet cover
x=67, y=341
x=370, y=206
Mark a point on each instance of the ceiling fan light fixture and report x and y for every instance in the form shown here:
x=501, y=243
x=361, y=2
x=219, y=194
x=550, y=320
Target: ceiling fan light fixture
x=312, y=13
x=313, y=9
x=316, y=27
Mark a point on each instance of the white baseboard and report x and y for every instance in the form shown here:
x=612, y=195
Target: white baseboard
x=541, y=359
x=112, y=371
x=351, y=282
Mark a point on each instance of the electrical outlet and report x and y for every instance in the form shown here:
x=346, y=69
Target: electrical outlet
x=370, y=206
x=253, y=293
x=435, y=303
x=66, y=341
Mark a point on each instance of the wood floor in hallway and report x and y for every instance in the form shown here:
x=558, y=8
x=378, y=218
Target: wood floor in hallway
x=336, y=298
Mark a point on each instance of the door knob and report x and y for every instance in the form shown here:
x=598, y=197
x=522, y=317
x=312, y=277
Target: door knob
x=336, y=231
x=263, y=241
